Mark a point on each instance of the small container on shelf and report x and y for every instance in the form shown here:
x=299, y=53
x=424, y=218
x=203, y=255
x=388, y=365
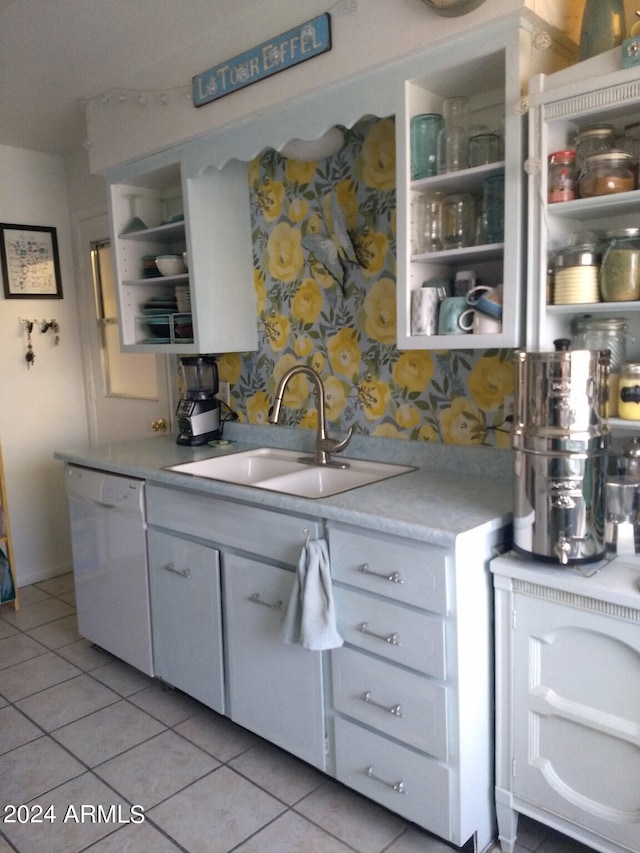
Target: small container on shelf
x=561, y=180
x=602, y=333
x=457, y=221
x=595, y=139
x=629, y=394
x=576, y=275
x=607, y=174
x=620, y=268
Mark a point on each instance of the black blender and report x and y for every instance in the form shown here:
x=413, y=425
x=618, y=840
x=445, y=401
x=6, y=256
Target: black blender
x=198, y=411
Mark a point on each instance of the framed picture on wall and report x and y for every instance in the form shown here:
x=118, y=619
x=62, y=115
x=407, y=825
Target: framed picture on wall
x=30, y=262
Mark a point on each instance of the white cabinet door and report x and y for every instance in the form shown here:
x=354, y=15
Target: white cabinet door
x=185, y=608
x=205, y=214
x=275, y=689
x=577, y=717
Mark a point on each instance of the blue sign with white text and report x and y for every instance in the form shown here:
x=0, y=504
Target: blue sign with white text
x=270, y=57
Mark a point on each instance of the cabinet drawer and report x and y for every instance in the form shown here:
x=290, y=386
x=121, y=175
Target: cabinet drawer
x=248, y=528
x=408, y=707
x=403, y=636
x=372, y=765
x=398, y=569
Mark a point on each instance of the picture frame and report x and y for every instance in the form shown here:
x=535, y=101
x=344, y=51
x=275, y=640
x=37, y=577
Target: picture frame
x=30, y=262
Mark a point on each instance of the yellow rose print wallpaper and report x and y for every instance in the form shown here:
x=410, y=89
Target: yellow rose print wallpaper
x=324, y=251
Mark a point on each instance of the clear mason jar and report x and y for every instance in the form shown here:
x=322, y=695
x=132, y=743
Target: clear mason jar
x=595, y=139
x=606, y=174
x=457, y=221
x=601, y=333
x=620, y=267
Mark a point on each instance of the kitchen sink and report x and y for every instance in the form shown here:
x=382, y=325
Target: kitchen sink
x=282, y=471
x=247, y=467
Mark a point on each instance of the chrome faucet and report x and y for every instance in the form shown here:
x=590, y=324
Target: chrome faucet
x=325, y=446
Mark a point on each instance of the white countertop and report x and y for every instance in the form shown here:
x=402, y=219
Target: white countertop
x=450, y=492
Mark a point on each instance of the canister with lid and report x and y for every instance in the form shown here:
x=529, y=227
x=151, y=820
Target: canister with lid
x=576, y=270
x=595, y=139
x=620, y=267
x=602, y=333
x=561, y=178
x=629, y=395
x=606, y=174
x=628, y=463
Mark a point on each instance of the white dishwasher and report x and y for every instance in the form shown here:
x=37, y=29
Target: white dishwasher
x=109, y=545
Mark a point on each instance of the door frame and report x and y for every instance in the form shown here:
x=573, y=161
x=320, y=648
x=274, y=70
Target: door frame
x=86, y=231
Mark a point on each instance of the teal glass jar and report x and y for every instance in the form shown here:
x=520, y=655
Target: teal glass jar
x=603, y=27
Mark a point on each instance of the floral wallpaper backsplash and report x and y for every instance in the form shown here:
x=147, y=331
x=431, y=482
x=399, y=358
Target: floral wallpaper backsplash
x=324, y=250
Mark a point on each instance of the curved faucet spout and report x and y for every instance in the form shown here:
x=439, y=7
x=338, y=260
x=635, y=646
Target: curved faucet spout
x=324, y=445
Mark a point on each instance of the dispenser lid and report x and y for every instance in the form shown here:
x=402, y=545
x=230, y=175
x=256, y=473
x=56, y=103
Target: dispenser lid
x=631, y=448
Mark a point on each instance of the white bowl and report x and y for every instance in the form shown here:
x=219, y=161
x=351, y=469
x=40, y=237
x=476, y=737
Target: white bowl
x=170, y=265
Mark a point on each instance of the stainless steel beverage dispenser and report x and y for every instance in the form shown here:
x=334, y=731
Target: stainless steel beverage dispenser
x=561, y=443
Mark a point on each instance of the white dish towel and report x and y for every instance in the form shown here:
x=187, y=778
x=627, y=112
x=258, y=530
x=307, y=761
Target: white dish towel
x=310, y=620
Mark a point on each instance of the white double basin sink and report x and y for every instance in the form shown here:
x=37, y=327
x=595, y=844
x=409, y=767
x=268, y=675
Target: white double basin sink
x=282, y=471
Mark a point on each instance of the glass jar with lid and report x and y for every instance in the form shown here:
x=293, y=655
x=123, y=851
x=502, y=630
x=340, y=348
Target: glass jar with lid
x=620, y=267
x=629, y=394
x=595, y=139
x=602, y=333
x=605, y=174
x=561, y=176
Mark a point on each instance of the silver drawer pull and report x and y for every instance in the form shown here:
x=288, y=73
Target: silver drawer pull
x=395, y=786
x=392, y=639
x=184, y=573
x=256, y=600
x=394, y=577
x=395, y=710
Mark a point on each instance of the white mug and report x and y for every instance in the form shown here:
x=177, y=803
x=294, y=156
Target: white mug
x=479, y=323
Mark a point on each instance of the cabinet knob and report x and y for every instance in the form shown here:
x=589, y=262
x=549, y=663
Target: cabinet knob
x=159, y=426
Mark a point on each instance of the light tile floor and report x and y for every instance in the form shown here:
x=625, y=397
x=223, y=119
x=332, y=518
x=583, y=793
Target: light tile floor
x=79, y=727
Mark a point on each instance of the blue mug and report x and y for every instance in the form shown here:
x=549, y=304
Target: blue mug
x=449, y=317
x=488, y=300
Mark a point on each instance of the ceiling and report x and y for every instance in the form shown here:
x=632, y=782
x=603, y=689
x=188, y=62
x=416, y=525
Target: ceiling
x=57, y=54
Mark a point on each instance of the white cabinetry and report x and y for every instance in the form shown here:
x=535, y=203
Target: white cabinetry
x=184, y=582
x=211, y=308
x=412, y=684
x=275, y=689
x=490, y=71
x=568, y=701
x=561, y=104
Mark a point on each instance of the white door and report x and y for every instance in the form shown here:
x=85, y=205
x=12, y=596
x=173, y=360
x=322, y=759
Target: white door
x=128, y=394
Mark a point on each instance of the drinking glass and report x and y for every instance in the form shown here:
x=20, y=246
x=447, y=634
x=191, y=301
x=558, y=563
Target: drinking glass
x=457, y=221
x=424, y=144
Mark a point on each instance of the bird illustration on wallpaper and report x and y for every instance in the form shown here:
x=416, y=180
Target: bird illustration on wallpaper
x=333, y=250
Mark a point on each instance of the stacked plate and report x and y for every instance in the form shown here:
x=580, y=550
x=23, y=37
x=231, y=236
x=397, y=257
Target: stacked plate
x=183, y=299
x=576, y=286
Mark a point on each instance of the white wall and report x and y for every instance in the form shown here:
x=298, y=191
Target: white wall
x=375, y=33
x=42, y=409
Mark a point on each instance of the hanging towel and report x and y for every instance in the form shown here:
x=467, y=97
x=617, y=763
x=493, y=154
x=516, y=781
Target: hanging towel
x=310, y=620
